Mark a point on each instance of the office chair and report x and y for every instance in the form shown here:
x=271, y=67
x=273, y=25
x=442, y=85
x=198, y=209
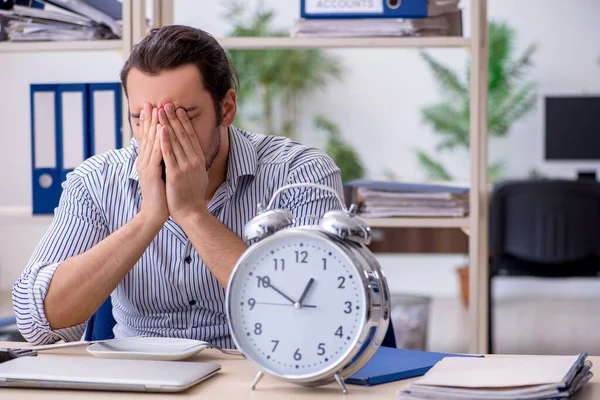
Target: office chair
x=543, y=228
x=100, y=326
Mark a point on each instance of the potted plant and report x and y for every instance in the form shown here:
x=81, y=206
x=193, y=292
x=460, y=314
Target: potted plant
x=511, y=96
x=272, y=82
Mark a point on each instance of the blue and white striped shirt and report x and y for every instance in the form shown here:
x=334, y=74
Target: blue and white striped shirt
x=169, y=291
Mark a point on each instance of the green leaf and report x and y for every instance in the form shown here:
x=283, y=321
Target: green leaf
x=513, y=107
x=447, y=79
x=517, y=69
x=495, y=170
x=345, y=157
x=448, y=122
x=434, y=170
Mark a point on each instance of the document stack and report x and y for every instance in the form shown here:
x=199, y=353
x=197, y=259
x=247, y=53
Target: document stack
x=378, y=18
x=381, y=199
x=59, y=20
x=502, y=378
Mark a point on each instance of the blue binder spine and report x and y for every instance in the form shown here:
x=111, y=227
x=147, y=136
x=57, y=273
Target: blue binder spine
x=78, y=88
x=329, y=9
x=45, y=177
x=96, y=111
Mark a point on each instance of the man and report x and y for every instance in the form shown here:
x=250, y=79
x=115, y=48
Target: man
x=164, y=249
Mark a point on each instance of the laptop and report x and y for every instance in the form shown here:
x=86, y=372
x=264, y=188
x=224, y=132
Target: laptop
x=90, y=373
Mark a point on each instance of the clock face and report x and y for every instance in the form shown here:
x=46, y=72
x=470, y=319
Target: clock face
x=297, y=304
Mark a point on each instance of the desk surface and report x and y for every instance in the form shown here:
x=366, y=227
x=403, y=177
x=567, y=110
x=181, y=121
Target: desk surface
x=234, y=379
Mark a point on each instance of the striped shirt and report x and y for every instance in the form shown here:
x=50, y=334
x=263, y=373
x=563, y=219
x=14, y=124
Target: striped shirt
x=169, y=292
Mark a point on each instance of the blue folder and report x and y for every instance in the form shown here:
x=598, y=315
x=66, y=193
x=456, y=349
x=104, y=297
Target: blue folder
x=364, y=9
x=391, y=364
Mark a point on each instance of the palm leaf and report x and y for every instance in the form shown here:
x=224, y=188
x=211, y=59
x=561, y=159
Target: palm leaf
x=345, y=157
x=495, y=170
x=448, y=122
x=433, y=169
x=500, y=47
x=513, y=108
x=517, y=69
x=448, y=80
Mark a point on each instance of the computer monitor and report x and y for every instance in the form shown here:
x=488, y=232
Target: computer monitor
x=572, y=128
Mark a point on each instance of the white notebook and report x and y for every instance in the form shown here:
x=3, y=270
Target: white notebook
x=502, y=377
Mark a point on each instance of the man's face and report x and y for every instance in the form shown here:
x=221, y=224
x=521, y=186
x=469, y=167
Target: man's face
x=183, y=88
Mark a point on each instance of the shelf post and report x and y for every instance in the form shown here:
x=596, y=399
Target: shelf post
x=478, y=238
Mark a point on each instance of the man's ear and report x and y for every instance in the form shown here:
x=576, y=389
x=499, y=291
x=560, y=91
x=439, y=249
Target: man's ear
x=228, y=108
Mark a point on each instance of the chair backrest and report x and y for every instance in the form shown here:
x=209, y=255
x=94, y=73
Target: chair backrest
x=100, y=326
x=545, y=221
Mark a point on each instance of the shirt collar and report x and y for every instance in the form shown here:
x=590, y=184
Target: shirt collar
x=133, y=174
x=242, y=160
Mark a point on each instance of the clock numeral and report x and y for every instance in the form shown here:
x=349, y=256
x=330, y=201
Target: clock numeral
x=279, y=262
x=342, y=281
x=297, y=355
x=258, y=328
x=339, y=332
x=301, y=257
x=275, y=346
x=348, y=309
x=264, y=281
x=324, y=264
x=321, y=349
x=251, y=303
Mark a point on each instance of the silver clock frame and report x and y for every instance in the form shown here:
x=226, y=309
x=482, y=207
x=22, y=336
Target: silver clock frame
x=351, y=235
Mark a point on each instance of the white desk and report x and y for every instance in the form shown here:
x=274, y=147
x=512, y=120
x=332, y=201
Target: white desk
x=233, y=382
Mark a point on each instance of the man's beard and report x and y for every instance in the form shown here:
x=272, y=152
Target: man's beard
x=215, y=146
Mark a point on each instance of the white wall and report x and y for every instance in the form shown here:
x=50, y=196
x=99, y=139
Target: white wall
x=376, y=105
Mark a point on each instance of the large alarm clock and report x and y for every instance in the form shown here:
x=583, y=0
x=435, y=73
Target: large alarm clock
x=309, y=304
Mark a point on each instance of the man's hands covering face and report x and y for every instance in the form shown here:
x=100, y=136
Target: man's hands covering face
x=167, y=134
x=187, y=177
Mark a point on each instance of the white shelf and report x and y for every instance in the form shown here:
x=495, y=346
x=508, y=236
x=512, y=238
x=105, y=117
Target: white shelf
x=317, y=42
x=424, y=222
x=82, y=45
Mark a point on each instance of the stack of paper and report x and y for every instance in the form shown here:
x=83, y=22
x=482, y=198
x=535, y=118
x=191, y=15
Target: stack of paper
x=380, y=199
x=442, y=25
x=59, y=20
x=502, y=378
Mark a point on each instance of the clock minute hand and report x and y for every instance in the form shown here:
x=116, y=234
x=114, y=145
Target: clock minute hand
x=304, y=293
x=281, y=293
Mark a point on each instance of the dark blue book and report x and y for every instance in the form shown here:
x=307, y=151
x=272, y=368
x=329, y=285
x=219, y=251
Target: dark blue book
x=392, y=364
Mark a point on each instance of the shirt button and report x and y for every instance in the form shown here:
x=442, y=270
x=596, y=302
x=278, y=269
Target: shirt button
x=192, y=302
x=188, y=259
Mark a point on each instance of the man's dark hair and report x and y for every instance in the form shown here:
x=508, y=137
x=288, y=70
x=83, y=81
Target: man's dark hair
x=172, y=46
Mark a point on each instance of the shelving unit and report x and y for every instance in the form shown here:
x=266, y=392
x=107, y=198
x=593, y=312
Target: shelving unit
x=13, y=47
x=405, y=222
x=248, y=43
x=475, y=223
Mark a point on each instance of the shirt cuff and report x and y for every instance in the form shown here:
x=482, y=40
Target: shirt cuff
x=40, y=283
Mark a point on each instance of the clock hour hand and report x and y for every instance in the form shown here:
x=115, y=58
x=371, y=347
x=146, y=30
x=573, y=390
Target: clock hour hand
x=304, y=293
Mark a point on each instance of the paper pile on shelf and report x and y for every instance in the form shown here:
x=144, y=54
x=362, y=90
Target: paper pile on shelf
x=59, y=20
x=449, y=24
x=380, y=199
